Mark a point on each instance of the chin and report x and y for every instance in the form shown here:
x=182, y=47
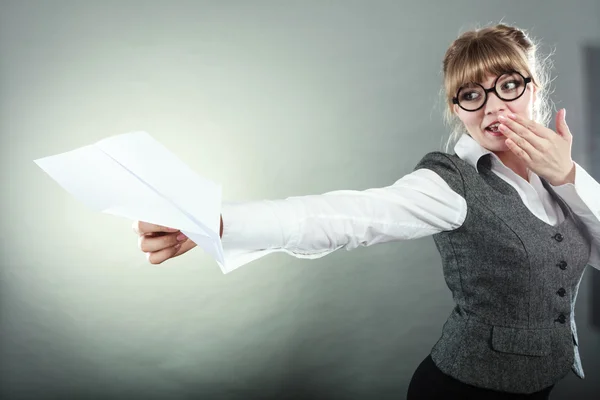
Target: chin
x=498, y=147
x=495, y=143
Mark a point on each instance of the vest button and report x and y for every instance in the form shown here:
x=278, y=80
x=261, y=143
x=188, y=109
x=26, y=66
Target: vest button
x=561, y=292
x=561, y=318
x=558, y=237
x=562, y=265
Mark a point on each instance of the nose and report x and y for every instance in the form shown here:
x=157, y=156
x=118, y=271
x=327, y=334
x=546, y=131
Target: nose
x=494, y=104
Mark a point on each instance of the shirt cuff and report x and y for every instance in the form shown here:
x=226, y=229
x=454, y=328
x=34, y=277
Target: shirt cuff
x=583, y=195
x=254, y=229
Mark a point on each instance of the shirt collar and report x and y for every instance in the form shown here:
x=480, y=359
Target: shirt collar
x=470, y=151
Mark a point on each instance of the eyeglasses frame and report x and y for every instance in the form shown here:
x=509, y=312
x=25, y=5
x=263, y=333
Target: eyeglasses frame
x=492, y=89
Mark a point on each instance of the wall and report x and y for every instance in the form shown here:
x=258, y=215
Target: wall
x=271, y=99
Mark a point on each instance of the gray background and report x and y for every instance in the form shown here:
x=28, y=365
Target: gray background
x=271, y=99
x=593, y=99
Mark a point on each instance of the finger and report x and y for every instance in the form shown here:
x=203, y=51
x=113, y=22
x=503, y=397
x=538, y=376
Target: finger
x=528, y=124
x=522, y=154
x=519, y=141
x=158, y=257
x=148, y=243
x=534, y=140
x=561, y=124
x=142, y=228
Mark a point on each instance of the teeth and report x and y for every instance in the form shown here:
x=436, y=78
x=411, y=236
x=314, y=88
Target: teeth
x=493, y=127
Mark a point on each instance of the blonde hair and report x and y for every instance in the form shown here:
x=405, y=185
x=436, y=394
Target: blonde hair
x=493, y=50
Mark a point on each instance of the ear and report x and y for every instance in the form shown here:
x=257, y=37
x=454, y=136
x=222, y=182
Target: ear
x=455, y=107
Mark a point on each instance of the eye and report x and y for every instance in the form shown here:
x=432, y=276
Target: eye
x=511, y=85
x=469, y=95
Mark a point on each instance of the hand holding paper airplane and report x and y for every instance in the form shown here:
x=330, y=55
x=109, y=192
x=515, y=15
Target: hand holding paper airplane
x=161, y=243
x=134, y=176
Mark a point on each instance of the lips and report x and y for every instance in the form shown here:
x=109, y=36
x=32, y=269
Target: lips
x=493, y=127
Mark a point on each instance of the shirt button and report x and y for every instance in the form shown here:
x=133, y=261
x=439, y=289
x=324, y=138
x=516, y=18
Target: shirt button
x=558, y=237
x=562, y=265
x=561, y=318
x=561, y=292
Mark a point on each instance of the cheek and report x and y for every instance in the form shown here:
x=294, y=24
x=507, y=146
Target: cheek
x=522, y=106
x=472, y=119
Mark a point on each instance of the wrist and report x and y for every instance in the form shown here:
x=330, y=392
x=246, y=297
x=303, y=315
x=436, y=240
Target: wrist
x=567, y=178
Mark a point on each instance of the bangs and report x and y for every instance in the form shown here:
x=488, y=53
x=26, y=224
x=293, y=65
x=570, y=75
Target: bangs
x=480, y=58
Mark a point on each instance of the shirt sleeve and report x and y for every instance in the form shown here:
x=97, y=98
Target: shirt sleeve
x=583, y=197
x=421, y=203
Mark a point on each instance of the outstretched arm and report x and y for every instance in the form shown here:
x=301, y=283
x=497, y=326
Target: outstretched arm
x=419, y=204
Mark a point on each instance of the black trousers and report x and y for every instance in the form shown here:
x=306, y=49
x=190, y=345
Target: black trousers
x=428, y=382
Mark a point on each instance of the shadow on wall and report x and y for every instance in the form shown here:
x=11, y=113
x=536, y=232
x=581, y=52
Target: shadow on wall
x=592, y=67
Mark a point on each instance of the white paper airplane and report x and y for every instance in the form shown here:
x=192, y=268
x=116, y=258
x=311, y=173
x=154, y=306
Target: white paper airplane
x=134, y=176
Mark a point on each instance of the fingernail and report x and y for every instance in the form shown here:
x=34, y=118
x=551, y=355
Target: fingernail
x=511, y=115
x=181, y=237
x=502, y=118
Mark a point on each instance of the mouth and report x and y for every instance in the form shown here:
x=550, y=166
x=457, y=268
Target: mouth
x=493, y=129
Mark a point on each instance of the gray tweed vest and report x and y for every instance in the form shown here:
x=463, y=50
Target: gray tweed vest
x=514, y=279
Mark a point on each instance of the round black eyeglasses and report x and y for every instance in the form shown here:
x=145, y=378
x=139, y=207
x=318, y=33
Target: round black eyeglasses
x=508, y=87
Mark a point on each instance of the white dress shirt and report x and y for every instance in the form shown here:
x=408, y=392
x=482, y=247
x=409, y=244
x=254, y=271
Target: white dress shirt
x=419, y=204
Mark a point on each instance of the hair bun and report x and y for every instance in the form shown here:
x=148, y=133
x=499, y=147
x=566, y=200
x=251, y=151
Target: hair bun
x=515, y=34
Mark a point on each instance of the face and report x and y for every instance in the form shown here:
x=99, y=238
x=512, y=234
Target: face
x=476, y=121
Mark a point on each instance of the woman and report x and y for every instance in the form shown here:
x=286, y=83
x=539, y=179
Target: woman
x=514, y=218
